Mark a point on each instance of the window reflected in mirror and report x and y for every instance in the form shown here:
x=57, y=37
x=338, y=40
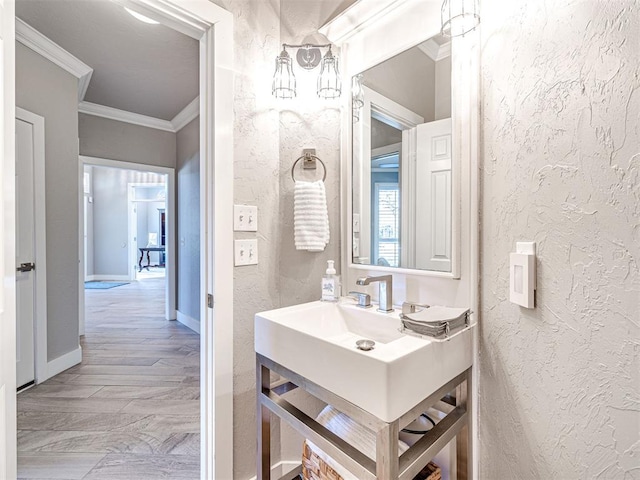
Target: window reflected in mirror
x=402, y=165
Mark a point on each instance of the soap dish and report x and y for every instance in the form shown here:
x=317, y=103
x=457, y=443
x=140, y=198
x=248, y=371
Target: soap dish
x=439, y=323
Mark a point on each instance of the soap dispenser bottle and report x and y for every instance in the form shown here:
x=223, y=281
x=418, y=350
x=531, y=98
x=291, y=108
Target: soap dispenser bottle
x=330, y=284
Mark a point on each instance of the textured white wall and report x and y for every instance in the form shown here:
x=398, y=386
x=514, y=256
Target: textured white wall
x=256, y=40
x=559, y=385
x=268, y=136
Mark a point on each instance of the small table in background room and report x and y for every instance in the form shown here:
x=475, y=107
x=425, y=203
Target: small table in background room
x=149, y=249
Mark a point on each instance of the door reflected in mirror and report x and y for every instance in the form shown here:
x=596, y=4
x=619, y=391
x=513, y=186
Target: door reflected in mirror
x=402, y=160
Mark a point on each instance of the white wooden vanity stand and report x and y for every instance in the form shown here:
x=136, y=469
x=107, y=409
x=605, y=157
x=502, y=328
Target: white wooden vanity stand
x=452, y=398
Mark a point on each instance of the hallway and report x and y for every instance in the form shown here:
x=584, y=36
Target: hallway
x=131, y=409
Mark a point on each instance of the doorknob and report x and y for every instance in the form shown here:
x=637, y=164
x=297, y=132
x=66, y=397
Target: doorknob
x=26, y=267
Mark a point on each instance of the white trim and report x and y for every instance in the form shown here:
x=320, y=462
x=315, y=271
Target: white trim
x=216, y=234
x=178, y=122
x=389, y=112
x=107, y=278
x=356, y=18
x=8, y=442
x=40, y=240
x=186, y=115
x=444, y=51
x=279, y=470
x=434, y=51
x=188, y=321
x=36, y=41
x=430, y=48
x=63, y=362
x=170, y=205
x=193, y=19
x=111, y=113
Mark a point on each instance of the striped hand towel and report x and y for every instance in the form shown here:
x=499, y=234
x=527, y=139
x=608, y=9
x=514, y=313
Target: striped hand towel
x=310, y=217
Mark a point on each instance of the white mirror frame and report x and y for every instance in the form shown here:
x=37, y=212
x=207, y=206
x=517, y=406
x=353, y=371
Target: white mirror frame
x=369, y=32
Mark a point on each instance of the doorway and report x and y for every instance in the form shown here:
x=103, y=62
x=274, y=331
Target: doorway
x=212, y=27
x=148, y=237
x=106, y=178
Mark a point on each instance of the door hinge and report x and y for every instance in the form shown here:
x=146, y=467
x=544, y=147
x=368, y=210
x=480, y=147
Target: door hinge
x=209, y=300
x=26, y=267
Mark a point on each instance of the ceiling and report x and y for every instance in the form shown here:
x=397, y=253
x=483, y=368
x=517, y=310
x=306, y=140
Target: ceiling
x=137, y=67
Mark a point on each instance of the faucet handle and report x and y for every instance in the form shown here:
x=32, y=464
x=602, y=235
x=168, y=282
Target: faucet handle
x=364, y=299
x=413, y=307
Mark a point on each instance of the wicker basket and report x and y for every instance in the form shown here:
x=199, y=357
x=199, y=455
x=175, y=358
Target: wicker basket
x=314, y=468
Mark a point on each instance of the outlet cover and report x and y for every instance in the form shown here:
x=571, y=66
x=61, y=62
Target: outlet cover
x=246, y=252
x=245, y=218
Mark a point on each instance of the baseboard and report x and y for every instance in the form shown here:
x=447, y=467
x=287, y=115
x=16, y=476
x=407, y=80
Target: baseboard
x=108, y=278
x=188, y=321
x=63, y=362
x=279, y=469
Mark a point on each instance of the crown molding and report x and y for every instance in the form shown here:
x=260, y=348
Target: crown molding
x=434, y=51
x=356, y=18
x=111, y=113
x=430, y=48
x=186, y=115
x=31, y=38
x=444, y=51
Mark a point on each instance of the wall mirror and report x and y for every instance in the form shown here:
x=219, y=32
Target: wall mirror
x=401, y=214
x=402, y=162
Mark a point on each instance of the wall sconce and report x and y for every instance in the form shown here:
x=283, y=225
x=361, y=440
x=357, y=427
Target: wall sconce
x=309, y=56
x=357, y=96
x=459, y=17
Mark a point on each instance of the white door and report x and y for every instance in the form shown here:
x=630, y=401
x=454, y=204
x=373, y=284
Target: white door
x=25, y=253
x=7, y=240
x=433, y=196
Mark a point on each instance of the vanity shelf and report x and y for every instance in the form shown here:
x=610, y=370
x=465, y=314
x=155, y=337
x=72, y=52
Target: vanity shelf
x=452, y=398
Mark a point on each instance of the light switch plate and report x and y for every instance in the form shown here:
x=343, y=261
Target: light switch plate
x=522, y=277
x=246, y=252
x=245, y=218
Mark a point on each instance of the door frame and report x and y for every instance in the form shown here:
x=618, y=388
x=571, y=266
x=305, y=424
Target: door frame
x=8, y=441
x=170, y=204
x=133, y=249
x=212, y=26
x=40, y=243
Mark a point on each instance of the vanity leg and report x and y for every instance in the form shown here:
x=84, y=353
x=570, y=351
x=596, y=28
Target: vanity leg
x=464, y=461
x=387, y=463
x=263, y=379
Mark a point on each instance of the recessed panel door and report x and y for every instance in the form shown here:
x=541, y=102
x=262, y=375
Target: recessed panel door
x=25, y=254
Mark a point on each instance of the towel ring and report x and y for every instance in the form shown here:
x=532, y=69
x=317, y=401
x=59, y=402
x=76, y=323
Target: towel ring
x=305, y=156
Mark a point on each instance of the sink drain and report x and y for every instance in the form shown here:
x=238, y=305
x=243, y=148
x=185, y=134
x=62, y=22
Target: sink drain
x=365, y=345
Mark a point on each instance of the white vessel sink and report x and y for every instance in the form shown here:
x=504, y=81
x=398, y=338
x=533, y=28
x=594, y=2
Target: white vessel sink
x=318, y=341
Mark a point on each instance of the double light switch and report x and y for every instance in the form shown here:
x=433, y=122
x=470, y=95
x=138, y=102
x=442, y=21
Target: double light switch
x=245, y=219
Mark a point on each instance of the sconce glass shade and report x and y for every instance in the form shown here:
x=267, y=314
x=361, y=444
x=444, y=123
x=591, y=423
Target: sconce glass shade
x=357, y=96
x=329, y=83
x=459, y=17
x=284, y=81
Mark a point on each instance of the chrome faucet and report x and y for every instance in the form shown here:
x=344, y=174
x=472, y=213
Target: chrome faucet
x=384, y=292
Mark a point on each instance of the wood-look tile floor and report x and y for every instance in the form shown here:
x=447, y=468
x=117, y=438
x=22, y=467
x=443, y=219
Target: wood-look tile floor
x=131, y=410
